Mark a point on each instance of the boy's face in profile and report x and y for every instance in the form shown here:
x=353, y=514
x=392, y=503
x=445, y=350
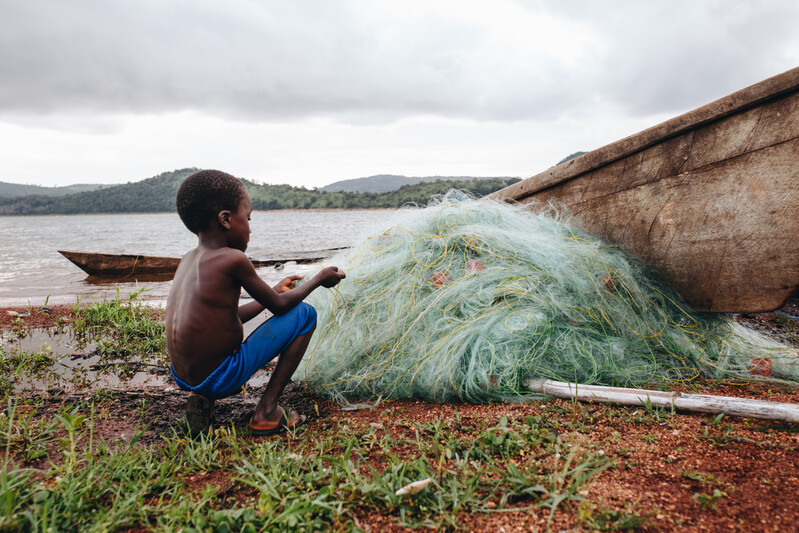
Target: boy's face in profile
x=239, y=235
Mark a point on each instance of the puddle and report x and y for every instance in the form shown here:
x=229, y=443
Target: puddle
x=77, y=365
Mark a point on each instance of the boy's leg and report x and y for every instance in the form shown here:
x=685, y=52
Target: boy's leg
x=199, y=409
x=286, y=335
x=199, y=413
x=289, y=336
x=269, y=414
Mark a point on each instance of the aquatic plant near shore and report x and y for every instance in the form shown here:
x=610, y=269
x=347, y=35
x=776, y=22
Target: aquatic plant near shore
x=123, y=327
x=20, y=365
x=117, y=337
x=416, y=318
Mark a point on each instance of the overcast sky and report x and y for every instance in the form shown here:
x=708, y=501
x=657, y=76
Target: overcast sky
x=311, y=92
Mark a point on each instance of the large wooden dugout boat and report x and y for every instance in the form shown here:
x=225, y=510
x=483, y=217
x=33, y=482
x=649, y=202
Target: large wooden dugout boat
x=710, y=198
x=132, y=265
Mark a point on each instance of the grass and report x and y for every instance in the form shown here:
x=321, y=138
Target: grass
x=58, y=474
x=125, y=328
x=630, y=518
x=717, y=489
x=312, y=485
x=16, y=365
x=81, y=482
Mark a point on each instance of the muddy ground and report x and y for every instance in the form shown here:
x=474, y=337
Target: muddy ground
x=662, y=464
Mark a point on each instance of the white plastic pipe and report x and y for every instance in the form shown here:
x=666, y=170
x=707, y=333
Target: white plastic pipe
x=701, y=403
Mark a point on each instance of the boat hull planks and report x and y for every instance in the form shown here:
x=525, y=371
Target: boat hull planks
x=708, y=198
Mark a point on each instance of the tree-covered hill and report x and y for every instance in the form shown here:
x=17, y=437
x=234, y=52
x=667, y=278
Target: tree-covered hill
x=390, y=182
x=575, y=155
x=11, y=190
x=152, y=195
x=157, y=194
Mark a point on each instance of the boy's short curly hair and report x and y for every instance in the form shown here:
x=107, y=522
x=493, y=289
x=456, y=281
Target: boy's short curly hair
x=204, y=194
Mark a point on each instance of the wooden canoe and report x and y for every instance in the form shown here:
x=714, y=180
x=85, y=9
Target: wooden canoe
x=133, y=265
x=709, y=198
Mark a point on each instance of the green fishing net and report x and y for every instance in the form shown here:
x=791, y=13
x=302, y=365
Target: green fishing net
x=467, y=300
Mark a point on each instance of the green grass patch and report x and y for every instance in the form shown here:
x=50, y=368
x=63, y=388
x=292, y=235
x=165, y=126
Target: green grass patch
x=322, y=483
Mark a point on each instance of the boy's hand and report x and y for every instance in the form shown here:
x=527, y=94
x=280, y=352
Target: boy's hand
x=330, y=276
x=286, y=284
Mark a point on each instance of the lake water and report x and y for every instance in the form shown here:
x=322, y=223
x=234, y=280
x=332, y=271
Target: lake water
x=32, y=271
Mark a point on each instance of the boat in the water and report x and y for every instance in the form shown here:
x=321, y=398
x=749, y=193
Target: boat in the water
x=134, y=265
x=709, y=198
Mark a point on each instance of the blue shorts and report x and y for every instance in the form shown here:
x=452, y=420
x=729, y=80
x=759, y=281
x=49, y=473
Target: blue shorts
x=264, y=344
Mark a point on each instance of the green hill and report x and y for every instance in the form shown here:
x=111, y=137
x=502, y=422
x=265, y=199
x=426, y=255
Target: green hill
x=157, y=194
x=152, y=195
x=14, y=190
x=390, y=182
x=575, y=155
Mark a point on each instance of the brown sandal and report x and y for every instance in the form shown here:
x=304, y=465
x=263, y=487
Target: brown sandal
x=281, y=427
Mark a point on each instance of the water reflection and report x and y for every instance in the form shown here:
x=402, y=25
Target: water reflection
x=77, y=363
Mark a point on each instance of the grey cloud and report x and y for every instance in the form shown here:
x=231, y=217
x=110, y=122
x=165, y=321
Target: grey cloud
x=290, y=60
x=669, y=56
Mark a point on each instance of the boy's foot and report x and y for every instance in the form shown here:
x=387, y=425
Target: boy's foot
x=199, y=413
x=291, y=419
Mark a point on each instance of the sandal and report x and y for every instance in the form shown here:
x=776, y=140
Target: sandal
x=281, y=427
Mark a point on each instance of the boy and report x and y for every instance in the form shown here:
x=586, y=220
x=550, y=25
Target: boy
x=204, y=321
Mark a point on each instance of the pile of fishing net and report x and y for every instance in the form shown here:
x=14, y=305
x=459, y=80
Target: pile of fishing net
x=467, y=300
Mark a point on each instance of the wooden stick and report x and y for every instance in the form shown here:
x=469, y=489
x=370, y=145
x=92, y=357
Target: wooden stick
x=701, y=403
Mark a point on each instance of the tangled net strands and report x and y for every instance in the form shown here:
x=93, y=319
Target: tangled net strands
x=466, y=300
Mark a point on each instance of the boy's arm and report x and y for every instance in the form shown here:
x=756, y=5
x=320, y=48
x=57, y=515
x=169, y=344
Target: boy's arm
x=250, y=310
x=279, y=303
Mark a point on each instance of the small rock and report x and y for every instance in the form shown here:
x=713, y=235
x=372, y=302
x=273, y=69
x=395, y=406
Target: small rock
x=415, y=487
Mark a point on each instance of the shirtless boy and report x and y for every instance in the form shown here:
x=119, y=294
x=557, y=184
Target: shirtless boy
x=204, y=330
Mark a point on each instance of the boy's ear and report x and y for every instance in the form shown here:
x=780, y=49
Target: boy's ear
x=224, y=218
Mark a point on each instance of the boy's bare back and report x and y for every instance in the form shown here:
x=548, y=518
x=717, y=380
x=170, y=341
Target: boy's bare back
x=202, y=313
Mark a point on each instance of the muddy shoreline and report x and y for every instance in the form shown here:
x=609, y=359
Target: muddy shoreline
x=236, y=410
x=782, y=324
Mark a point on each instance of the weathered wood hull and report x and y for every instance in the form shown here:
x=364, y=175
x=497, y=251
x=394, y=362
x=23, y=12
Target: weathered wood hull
x=132, y=265
x=121, y=265
x=708, y=198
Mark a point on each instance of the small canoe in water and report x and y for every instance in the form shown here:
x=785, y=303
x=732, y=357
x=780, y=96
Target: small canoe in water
x=132, y=265
x=709, y=198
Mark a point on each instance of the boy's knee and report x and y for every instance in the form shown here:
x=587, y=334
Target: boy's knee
x=308, y=316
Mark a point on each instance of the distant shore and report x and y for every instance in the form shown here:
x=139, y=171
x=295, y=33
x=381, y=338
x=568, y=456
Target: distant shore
x=292, y=210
